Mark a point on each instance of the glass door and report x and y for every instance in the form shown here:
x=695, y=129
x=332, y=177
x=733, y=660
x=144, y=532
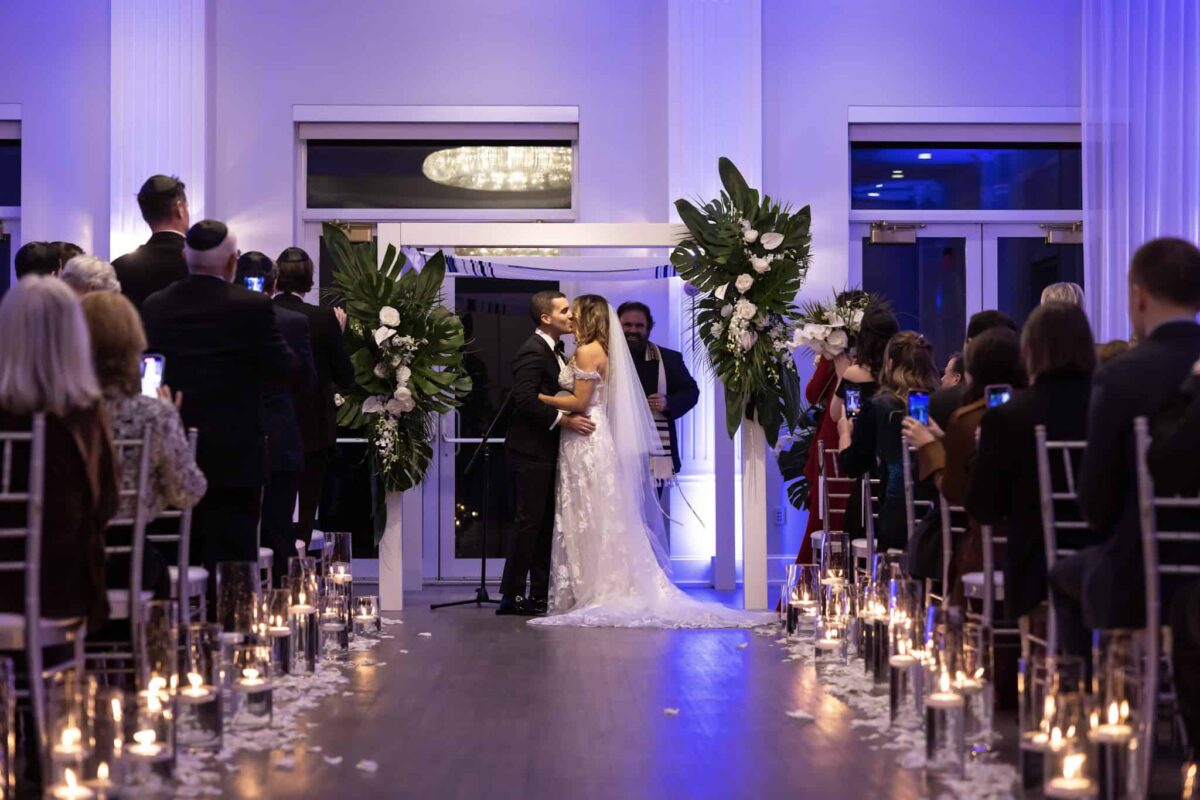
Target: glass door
x=495, y=312
x=933, y=283
x=1019, y=264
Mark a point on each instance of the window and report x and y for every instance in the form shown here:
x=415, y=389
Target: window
x=966, y=175
x=10, y=172
x=439, y=174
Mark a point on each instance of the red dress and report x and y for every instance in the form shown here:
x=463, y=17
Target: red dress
x=820, y=390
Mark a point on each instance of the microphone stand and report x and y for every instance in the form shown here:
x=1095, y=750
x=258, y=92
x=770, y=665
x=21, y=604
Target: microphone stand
x=484, y=447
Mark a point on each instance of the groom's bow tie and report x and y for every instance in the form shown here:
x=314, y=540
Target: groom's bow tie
x=560, y=347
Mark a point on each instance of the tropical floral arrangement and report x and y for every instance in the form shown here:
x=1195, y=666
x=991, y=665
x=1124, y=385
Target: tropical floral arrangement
x=830, y=329
x=407, y=350
x=746, y=257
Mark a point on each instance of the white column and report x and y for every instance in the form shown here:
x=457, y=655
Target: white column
x=714, y=99
x=158, y=118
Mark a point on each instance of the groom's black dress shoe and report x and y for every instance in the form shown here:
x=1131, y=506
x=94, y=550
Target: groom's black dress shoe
x=535, y=608
x=511, y=606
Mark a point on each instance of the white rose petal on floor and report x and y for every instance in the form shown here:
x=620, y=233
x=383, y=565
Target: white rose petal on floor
x=671, y=712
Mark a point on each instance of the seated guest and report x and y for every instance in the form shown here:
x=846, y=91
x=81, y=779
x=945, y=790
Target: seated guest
x=953, y=374
x=159, y=262
x=221, y=346
x=1065, y=292
x=993, y=357
x=1057, y=351
x=1101, y=586
x=90, y=274
x=36, y=258
x=46, y=367
x=1107, y=351
x=315, y=410
x=285, y=447
x=947, y=400
x=118, y=342
x=874, y=437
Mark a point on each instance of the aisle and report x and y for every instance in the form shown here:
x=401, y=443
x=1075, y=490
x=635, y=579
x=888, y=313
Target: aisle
x=486, y=706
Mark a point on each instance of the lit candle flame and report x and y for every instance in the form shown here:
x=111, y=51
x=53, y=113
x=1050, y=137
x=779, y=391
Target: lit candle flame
x=1055, y=738
x=250, y=673
x=69, y=778
x=116, y=709
x=1114, y=714
x=145, y=738
x=71, y=737
x=944, y=681
x=979, y=674
x=102, y=771
x=1124, y=710
x=1073, y=766
x=195, y=680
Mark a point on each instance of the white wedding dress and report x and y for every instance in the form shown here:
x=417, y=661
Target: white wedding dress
x=607, y=560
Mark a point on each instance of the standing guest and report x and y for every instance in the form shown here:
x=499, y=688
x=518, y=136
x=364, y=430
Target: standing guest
x=1107, y=351
x=670, y=389
x=1057, y=352
x=946, y=401
x=315, y=409
x=36, y=258
x=67, y=251
x=160, y=261
x=285, y=448
x=1101, y=586
x=118, y=342
x=1065, y=292
x=221, y=346
x=46, y=367
x=87, y=274
x=953, y=374
x=874, y=437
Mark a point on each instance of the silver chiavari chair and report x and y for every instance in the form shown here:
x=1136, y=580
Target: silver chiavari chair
x=31, y=633
x=949, y=514
x=833, y=495
x=914, y=509
x=187, y=582
x=1053, y=524
x=113, y=658
x=1179, y=559
x=863, y=548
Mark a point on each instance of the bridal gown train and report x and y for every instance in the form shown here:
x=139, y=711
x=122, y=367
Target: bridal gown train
x=604, y=572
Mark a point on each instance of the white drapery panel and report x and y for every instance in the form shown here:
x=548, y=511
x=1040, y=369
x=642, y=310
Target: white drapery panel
x=1141, y=140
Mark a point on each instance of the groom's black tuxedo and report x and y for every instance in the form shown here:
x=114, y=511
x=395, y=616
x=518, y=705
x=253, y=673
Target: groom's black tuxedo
x=531, y=447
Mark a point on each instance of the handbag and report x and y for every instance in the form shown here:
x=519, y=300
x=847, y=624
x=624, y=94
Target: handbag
x=924, y=550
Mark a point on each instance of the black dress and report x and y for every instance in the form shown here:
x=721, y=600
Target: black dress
x=875, y=448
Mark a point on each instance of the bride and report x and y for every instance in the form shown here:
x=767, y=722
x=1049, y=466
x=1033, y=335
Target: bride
x=609, y=557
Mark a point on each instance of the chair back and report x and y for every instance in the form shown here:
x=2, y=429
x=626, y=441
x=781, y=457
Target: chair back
x=834, y=491
x=949, y=513
x=183, y=538
x=990, y=542
x=133, y=493
x=1180, y=559
x=33, y=499
x=1055, y=495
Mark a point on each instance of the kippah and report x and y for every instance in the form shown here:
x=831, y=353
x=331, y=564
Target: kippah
x=207, y=234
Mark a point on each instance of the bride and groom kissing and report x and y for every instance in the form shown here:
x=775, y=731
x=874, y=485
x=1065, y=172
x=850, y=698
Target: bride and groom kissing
x=589, y=533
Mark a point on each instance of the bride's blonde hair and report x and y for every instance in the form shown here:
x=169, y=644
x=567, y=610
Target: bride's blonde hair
x=591, y=320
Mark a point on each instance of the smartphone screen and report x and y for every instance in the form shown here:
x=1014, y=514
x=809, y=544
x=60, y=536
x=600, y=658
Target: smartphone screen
x=998, y=394
x=853, y=402
x=152, y=373
x=253, y=284
x=918, y=406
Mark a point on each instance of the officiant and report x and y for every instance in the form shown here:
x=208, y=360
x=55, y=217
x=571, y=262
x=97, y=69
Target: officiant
x=670, y=389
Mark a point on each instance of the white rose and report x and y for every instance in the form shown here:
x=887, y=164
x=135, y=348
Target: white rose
x=380, y=370
x=818, y=333
x=726, y=310
x=772, y=240
x=389, y=316
x=403, y=394
x=759, y=264
x=747, y=339
x=744, y=282
x=838, y=340
x=372, y=405
x=394, y=407
x=338, y=400
x=745, y=309
x=721, y=290
x=402, y=375
x=715, y=329
x=382, y=335
x=751, y=236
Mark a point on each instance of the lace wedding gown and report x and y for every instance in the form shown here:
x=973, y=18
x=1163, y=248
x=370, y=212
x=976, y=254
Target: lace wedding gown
x=604, y=569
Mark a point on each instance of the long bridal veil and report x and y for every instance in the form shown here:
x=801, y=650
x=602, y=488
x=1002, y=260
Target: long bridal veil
x=635, y=438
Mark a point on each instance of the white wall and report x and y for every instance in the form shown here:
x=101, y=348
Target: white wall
x=54, y=57
x=607, y=58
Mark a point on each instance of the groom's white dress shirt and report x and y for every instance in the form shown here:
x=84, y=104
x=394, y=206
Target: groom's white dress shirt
x=548, y=339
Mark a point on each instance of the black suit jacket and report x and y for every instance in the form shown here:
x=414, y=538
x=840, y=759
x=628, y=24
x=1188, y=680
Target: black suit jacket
x=535, y=370
x=1135, y=384
x=285, y=447
x=944, y=402
x=682, y=391
x=222, y=346
x=315, y=410
x=1172, y=457
x=1003, y=488
x=153, y=266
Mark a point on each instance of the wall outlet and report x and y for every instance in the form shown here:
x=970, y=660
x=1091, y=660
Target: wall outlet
x=780, y=517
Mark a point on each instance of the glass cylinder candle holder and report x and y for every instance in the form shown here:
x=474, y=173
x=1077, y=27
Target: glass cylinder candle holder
x=278, y=630
x=365, y=615
x=199, y=725
x=1115, y=688
x=104, y=768
x=1070, y=770
x=835, y=558
x=156, y=640
x=788, y=614
x=238, y=596
x=1035, y=707
x=806, y=595
x=335, y=633
x=340, y=559
x=975, y=682
x=833, y=631
x=303, y=614
x=945, y=746
x=8, y=729
x=68, y=736
x=251, y=676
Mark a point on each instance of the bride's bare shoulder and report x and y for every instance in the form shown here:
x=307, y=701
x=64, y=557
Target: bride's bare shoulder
x=590, y=356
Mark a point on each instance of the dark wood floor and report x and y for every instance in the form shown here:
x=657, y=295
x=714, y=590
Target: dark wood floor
x=488, y=707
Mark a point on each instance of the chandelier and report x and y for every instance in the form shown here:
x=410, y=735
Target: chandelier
x=526, y=168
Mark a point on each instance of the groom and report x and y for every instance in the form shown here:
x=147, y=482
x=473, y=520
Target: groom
x=531, y=448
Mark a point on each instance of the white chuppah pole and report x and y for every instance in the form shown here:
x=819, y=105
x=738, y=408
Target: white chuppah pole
x=754, y=515
x=391, y=555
